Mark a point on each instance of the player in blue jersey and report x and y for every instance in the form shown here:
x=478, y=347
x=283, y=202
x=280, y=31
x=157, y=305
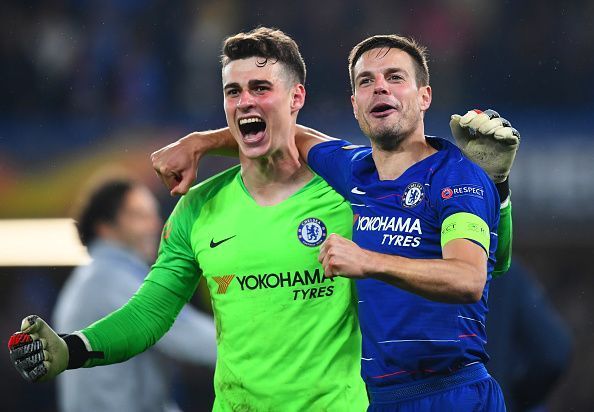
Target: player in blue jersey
x=426, y=223
x=424, y=234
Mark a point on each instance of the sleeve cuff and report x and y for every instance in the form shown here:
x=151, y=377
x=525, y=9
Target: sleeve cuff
x=79, y=350
x=503, y=191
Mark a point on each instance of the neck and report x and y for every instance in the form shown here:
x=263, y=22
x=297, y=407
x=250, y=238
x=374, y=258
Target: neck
x=274, y=178
x=392, y=163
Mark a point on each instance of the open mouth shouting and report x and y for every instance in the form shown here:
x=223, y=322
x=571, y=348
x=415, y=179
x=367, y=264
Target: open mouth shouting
x=382, y=110
x=253, y=129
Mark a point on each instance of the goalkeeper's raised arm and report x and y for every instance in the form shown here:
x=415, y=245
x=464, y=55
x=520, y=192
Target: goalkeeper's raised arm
x=484, y=137
x=491, y=142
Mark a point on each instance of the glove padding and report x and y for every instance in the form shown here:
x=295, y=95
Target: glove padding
x=488, y=140
x=37, y=352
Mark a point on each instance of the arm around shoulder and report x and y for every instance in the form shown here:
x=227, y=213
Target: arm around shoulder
x=176, y=164
x=306, y=138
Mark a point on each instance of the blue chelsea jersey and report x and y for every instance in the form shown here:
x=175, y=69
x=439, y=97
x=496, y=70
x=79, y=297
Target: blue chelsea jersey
x=405, y=336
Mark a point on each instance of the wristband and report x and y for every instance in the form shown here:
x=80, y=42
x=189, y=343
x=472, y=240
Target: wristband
x=78, y=353
x=503, y=190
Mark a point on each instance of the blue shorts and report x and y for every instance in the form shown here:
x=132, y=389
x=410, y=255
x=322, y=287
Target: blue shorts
x=469, y=389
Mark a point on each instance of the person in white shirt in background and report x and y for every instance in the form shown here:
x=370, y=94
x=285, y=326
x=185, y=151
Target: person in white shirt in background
x=120, y=224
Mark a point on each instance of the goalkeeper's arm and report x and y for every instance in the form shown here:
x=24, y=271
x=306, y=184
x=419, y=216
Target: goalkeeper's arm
x=490, y=141
x=504, y=240
x=39, y=354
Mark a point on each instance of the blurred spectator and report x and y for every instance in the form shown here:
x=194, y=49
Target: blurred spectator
x=136, y=58
x=200, y=89
x=120, y=224
x=529, y=343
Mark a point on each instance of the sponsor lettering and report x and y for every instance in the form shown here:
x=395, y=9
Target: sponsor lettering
x=389, y=223
x=304, y=280
x=400, y=240
x=303, y=294
x=281, y=279
x=403, y=229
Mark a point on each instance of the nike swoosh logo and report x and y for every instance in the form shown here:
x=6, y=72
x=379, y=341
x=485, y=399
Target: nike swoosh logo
x=214, y=244
x=356, y=191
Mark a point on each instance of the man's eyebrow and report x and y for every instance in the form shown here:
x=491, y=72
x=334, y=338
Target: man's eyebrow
x=391, y=70
x=251, y=83
x=231, y=86
x=256, y=82
x=366, y=73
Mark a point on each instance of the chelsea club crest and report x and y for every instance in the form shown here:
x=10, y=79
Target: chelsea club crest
x=413, y=195
x=311, y=232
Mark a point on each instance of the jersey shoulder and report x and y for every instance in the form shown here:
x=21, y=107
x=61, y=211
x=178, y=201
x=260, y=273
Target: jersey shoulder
x=204, y=191
x=455, y=172
x=455, y=165
x=342, y=148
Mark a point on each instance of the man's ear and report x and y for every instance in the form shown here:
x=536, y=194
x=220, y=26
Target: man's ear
x=425, y=95
x=355, y=107
x=298, y=97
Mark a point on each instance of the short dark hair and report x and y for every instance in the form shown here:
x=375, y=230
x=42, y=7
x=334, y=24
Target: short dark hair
x=393, y=41
x=267, y=43
x=102, y=205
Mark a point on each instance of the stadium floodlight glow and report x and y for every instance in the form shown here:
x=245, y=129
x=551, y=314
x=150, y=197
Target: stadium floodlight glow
x=40, y=242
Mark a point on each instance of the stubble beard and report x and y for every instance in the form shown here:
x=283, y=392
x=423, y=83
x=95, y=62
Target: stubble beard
x=389, y=137
x=386, y=138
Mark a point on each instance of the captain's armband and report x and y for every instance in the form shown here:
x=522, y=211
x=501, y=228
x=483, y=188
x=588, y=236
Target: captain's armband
x=464, y=225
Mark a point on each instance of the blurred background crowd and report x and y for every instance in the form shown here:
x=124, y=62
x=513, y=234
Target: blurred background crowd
x=86, y=84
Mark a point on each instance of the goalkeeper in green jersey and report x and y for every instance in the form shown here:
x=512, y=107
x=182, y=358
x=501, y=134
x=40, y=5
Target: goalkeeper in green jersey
x=288, y=338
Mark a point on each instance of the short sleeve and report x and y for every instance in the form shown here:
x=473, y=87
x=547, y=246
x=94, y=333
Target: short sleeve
x=468, y=205
x=333, y=161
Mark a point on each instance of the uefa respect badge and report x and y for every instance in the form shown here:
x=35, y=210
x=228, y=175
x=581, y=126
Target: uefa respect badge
x=312, y=232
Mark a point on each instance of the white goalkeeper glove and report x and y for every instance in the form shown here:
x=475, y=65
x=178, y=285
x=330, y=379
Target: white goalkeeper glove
x=40, y=354
x=37, y=352
x=488, y=140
